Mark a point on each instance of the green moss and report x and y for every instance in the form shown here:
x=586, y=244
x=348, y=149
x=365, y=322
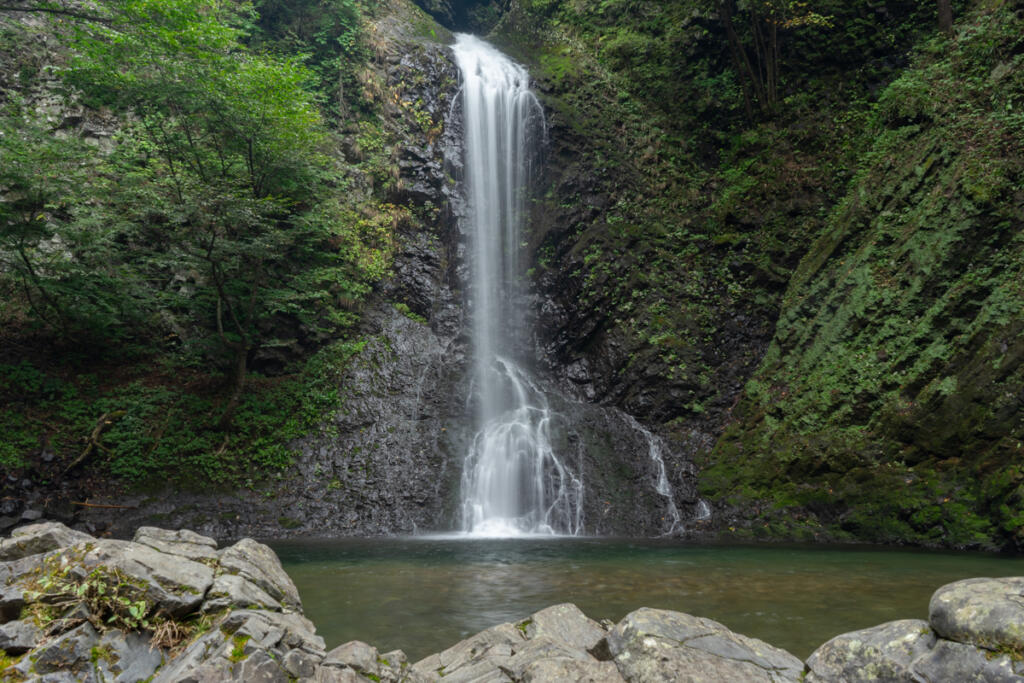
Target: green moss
x=884, y=405
x=238, y=643
x=289, y=522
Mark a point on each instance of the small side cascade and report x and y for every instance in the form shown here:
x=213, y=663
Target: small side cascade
x=662, y=486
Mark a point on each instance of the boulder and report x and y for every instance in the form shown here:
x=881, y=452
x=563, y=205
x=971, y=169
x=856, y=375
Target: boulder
x=182, y=542
x=12, y=599
x=988, y=613
x=547, y=670
x=564, y=623
x=478, y=656
x=949, y=661
x=652, y=644
x=258, y=564
x=171, y=583
x=355, y=655
x=274, y=631
x=35, y=539
x=68, y=653
x=528, y=656
x=231, y=590
x=18, y=637
x=300, y=664
x=883, y=653
x=125, y=657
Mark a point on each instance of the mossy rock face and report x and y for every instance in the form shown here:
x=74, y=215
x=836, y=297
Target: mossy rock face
x=889, y=404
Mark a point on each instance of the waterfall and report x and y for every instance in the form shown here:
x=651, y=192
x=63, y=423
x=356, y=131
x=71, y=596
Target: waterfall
x=661, y=484
x=513, y=482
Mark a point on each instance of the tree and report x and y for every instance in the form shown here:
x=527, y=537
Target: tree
x=221, y=176
x=757, y=57
x=946, y=16
x=63, y=268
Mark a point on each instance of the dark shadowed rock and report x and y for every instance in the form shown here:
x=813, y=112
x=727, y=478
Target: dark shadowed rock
x=12, y=599
x=882, y=653
x=17, y=637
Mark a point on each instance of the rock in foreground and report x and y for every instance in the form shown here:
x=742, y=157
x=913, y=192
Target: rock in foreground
x=975, y=632
x=170, y=606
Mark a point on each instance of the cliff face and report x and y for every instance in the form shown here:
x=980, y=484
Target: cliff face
x=889, y=405
x=823, y=309
x=388, y=457
x=820, y=306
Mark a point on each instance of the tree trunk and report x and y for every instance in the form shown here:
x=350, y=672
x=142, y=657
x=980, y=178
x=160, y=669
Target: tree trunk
x=946, y=16
x=741, y=62
x=238, y=380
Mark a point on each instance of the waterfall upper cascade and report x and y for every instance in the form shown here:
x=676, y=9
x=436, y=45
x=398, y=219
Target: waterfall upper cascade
x=513, y=482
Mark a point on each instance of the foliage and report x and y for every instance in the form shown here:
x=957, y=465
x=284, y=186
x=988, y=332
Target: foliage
x=111, y=597
x=890, y=381
x=62, y=266
x=216, y=222
x=169, y=427
x=328, y=33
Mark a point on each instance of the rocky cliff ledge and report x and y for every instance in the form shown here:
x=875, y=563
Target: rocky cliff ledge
x=172, y=606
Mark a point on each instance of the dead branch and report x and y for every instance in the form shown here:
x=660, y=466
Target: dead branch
x=93, y=442
x=106, y=507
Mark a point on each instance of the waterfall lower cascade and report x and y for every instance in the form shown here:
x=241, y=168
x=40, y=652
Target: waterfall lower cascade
x=513, y=483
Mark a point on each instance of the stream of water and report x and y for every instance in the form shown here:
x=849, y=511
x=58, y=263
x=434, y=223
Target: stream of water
x=513, y=482
x=424, y=595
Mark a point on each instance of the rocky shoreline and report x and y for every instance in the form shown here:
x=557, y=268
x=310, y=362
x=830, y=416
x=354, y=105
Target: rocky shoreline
x=172, y=606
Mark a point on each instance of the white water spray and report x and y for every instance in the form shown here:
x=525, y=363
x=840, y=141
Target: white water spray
x=513, y=482
x=661, y=485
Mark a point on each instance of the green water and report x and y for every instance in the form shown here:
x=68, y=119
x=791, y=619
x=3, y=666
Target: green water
x=425, y=595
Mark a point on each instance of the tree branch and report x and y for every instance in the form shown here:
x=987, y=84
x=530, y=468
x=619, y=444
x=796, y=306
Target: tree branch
x=57, y=10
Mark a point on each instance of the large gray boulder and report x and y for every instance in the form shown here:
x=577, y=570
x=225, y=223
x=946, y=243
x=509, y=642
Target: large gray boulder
x=173, y=584
x=975, y=633
x=660, y=645
x=231, y=590
x=565, y=623
x=949, y=661
x=479, y=656
x=18, y=637
x=258, y=564
x=35, y=539
x=247, y=645
x=125, y=657
x=881, y=653
x=181, y=542
x=68, y=653
x=550, y=645
x=988, y=613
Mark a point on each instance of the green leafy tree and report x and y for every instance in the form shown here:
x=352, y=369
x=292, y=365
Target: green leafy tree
x=63, y=268
x=756, y=51
x=222, y=175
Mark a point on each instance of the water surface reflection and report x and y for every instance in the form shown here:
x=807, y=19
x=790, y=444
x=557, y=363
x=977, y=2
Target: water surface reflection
x=424, y=595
